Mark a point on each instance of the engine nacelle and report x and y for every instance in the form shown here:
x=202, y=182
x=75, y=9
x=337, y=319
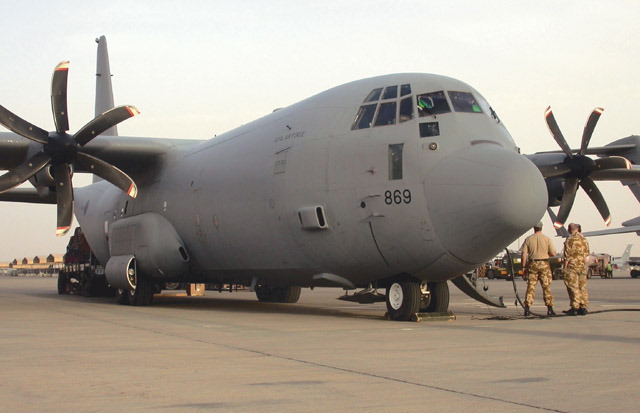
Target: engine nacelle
x=121, y=272
x=555, y=189
x=158, y=249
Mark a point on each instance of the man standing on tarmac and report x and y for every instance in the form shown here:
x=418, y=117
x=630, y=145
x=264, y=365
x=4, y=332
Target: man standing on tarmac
x=536, y=251
x=576, y=251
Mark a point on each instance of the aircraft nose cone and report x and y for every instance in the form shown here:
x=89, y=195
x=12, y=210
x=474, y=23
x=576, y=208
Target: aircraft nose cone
x=482, y=198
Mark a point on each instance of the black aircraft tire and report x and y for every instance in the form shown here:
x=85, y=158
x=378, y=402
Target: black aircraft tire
x=88, y=284
x=265, y=294
x=171, y=286
x=122, y=296
x=288, y=295
x=63, y=283
x=439, y=302
x=143, y=294
x=403, y=299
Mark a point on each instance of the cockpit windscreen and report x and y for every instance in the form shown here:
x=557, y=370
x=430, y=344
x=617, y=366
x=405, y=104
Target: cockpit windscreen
x=464, y=102
x=433, y=103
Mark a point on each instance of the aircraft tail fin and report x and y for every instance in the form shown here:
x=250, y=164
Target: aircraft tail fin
x=104, y=90
x=626, y=254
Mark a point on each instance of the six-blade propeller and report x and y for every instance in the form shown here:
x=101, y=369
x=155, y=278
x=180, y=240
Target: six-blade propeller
x=577, y=169
x=61, y=151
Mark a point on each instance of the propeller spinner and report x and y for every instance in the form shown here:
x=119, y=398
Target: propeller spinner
x=61, y=151
x=581, y=170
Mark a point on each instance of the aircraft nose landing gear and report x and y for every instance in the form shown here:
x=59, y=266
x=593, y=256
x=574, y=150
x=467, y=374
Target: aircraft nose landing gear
x=408, y=297
x=403, y=299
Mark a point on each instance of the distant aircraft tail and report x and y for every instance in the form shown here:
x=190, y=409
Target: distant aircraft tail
x=623, y=261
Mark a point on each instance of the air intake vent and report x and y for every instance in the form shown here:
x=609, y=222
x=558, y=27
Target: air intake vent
x=313, y=217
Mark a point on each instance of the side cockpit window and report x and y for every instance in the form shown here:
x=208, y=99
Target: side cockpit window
x=374, y=95
x=464, y=102
x=386, y=112
x=364, y=117
x=390, y=92
x=406, y=109
x=433, y=103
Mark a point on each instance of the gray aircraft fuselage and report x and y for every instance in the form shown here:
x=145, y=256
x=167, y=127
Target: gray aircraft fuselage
x=337, y=185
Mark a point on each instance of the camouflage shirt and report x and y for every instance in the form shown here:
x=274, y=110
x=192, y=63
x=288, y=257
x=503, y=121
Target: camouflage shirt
x=576, y=250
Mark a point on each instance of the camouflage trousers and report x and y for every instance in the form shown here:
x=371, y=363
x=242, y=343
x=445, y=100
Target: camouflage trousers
x=576, y=282
x=538, y=270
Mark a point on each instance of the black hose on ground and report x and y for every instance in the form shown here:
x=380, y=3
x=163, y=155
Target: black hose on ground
x=515, y=287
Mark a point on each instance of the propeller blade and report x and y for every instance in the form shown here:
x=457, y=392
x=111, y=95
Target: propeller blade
x=103, y=122
x=569, y=195
x=616, y=175
x=24, y=171
x=556, y=169
x=59, y=97
x=561, y=231
x=23, y=128
x=588, y=129
x=596, y=196
x=107, y=172
x=612, y=162
x=556, y=133
x=64, y=193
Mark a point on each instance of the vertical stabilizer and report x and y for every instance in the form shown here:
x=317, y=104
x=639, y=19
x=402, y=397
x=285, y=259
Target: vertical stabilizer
x=104, y=91
x=626, y=254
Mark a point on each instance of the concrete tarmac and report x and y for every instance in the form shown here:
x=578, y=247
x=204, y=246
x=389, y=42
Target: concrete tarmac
x=230, y=353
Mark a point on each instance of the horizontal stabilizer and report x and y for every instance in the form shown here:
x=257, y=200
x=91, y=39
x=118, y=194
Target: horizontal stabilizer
x=26, y=195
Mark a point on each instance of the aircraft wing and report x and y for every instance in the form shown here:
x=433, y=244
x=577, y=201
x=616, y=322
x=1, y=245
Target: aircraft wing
x=628, y=147
x=621, y=230
x=139, y=158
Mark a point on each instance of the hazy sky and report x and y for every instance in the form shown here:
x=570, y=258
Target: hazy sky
x=199, y=68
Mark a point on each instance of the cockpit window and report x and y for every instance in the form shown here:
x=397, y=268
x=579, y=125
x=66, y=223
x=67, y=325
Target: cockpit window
x=386, y=114
x=391, y=92
x=374, y=95
x=464, y=102
x=434, y=103
x=364, y=117
x=383, y=105
x=406, y=109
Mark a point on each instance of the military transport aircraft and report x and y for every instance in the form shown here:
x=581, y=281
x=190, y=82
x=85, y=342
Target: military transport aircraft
x=399, y=182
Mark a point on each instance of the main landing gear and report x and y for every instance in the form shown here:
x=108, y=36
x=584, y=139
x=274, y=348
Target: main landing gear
x=271, y=294
x=141, y=295
x=408, y=296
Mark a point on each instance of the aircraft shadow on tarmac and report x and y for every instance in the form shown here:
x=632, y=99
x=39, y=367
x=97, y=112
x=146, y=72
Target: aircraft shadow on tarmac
x=235, y=304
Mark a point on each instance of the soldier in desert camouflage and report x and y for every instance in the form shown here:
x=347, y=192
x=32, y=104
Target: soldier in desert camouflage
x=576, y=250
x=536, y=251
